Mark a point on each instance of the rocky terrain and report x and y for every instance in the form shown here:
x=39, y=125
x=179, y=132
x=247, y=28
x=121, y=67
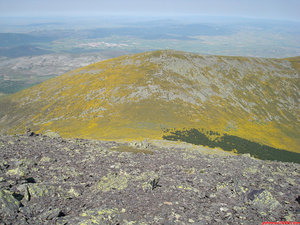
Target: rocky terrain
x=45, y=179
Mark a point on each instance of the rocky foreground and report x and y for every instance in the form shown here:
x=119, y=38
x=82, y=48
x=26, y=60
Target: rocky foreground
x=50, y=180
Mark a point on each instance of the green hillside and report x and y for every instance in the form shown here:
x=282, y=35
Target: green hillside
x=141, y=96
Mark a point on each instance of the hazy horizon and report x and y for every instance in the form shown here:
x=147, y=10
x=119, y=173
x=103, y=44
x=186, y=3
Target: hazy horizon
x=259, y=9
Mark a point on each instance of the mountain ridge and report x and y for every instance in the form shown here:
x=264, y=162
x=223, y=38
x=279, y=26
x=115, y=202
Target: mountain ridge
x=138, y=96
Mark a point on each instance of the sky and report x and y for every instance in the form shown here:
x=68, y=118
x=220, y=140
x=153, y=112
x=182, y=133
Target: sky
x=267, y=9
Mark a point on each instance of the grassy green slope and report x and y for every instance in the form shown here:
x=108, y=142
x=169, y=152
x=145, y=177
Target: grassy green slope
x=137, y=96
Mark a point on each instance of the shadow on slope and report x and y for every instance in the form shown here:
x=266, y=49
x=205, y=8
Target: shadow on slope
x=231, y=143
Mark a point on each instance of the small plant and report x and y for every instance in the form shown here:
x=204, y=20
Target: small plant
x=154, y=183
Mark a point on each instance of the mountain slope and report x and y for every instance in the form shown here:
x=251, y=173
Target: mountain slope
x=139, y=96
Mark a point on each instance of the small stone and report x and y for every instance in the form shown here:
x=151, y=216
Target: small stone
x=52, y=134
x=168, y=203
x=223, y=209
x=191, y=221
x=228, y=215
x=123, y=210
x=236, y=208
x=212, y=195
x=177, y=216
x=247, y=155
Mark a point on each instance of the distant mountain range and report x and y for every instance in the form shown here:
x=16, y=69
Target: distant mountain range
x=154, y=94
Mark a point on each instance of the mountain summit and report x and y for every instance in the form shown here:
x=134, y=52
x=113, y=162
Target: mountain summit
x=144, y=95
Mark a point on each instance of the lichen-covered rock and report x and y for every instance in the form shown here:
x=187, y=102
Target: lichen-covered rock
x=38, y=190
x=51, y=214
x=113, y=182
x=263, y=199
x=9, y=204
x=16, y=172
